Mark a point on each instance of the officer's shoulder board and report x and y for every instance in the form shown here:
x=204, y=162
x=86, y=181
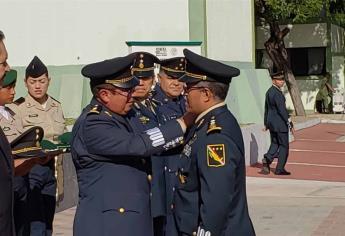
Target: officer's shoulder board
x=54, y=99
x=213, y=127
x=19, y=101
x=96, y=109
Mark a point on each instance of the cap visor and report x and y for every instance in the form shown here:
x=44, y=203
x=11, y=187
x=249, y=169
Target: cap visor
x=129, y=84
x=174, y=75
x=188, y=79
x=143, y=73
x=30, y=154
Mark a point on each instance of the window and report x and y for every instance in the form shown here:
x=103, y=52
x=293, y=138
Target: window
x=304, y=61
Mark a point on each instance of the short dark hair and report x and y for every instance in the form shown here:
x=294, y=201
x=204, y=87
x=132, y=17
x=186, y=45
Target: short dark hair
x=2, y=36
x=219, y=90
x=97, y=88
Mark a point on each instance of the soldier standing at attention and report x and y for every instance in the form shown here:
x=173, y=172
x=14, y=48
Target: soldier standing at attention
x=144, y=116
x=211, y=198
x=110, y=157
x=171, y=105
x=276, y=119
x=40, y=109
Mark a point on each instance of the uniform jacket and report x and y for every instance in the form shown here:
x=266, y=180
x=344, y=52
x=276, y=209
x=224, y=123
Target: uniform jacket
x=276, y=116
x=142, y=117
x=11, y=127
x=6, y=187
x=50, y=118
x=169, y=109
x=212, y=188
x=110, y=161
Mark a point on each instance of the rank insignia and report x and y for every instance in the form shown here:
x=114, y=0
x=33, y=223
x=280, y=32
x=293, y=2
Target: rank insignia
x=144, y=119
x=212, y=126
x=216, y=155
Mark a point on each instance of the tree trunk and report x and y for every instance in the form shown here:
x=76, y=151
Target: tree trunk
x=294, y=93
x=276, y=50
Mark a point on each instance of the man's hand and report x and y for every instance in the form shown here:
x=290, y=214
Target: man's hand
x=292, y=130
x=22, y=166
x=189, y=118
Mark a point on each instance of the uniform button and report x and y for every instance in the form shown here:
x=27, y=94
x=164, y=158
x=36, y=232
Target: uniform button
x=181, y=169
x=173, y=189
x=165, y=168
x=172, y=206
x=121, y=210
x=169, y=170
x=176, y=173
x=150, y=194
x=149, y=177
x=194, y=233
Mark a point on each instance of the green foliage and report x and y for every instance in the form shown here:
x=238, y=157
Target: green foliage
x=299, y=11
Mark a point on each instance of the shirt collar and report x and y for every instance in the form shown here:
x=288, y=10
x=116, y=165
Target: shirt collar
x=201, y=115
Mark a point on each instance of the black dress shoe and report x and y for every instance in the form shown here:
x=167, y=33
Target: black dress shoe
x=265, y=166
x=282, y=172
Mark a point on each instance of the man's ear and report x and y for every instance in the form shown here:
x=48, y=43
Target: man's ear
x=207, y=94
x=103, y=95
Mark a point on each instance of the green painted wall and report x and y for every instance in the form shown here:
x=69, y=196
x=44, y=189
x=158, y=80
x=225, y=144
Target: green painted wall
x=197, y=23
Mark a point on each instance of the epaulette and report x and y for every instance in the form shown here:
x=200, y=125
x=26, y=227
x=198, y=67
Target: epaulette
x=96, y=109
x=156, y=102
x=19, y=101
x=54, y=99
x=212, y=126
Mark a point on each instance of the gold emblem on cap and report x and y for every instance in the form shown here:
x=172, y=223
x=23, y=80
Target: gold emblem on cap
x=141, y=64
x=121, y=210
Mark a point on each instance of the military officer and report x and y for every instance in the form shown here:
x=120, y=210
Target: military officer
x=276, y=120
x=6, y=161
x=40, y=109
x=110, y=158
x=12, y=127
x=171, y=105
x=144, y=116
x=211, y=197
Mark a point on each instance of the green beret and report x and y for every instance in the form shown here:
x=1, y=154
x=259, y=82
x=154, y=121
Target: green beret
x=9, y=78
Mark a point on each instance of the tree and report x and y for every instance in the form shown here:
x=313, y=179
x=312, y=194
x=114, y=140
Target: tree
x=272, y=12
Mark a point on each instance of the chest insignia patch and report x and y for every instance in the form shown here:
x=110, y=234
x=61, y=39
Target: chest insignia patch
x=144, y=119
x=215, y=155
x=6, y=129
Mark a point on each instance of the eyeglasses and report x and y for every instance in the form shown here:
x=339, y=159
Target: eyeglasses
x=189, y=89
x=124, y=92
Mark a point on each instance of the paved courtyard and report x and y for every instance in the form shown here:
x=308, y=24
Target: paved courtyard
x=309, y=202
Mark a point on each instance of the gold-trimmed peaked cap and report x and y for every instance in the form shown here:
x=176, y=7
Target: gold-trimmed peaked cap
x=174, y=67
x=199, y=68
x=144, y=63
x=28, y=144
x=36, y=68
x=116, y=71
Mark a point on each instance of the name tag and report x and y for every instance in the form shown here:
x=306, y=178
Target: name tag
x=33, y=115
